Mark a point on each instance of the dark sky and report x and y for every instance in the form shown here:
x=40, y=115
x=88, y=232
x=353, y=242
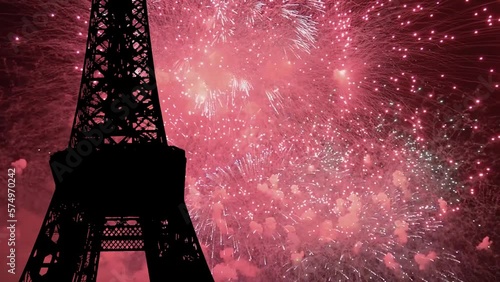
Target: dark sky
x=16, y=68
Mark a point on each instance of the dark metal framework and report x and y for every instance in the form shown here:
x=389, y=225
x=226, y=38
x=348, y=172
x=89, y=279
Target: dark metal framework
x=119, y=185
x=118, y=78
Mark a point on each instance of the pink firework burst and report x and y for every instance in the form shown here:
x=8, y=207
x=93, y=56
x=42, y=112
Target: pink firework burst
x=326, y=140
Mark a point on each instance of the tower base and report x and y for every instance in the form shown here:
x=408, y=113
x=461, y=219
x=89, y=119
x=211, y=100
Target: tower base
x=118, y=198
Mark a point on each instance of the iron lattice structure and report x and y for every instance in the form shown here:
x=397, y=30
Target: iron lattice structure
x=119, y=185
x=118, y=84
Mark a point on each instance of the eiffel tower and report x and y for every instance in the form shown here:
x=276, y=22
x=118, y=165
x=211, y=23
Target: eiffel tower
x=119, y=185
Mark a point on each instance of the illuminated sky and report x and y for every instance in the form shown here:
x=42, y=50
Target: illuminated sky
x=325, y=139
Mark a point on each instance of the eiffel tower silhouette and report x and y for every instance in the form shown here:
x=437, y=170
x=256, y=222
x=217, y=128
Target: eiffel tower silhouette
x=119, y=185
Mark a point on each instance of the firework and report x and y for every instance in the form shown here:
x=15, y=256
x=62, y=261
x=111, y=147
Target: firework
x=326, y=140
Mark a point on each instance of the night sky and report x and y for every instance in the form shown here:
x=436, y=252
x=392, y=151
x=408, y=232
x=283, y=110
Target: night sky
x=325, y=139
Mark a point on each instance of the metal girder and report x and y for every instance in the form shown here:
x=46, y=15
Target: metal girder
x=110, y=178
x=118, y=86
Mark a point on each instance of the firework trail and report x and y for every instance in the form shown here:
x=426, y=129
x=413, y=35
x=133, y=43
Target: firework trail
x=326, y=140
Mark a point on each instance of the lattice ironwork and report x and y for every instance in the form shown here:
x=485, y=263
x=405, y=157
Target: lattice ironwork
x=118, y=86
x=109, y=198
x=122, y=234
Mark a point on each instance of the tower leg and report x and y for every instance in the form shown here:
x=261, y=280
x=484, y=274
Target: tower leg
x=151, y=231
x=91, y=252
x=56, y=254
x=172, y=244
x=180, y=246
